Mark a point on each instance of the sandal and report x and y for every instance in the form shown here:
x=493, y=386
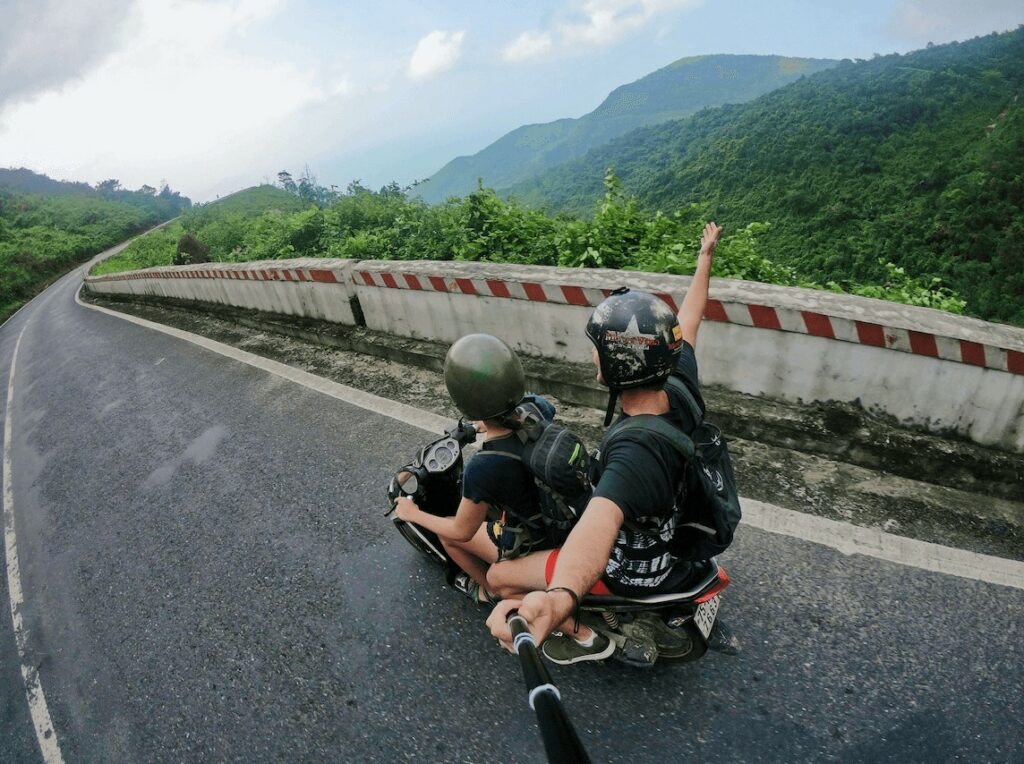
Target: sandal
x=463, y=583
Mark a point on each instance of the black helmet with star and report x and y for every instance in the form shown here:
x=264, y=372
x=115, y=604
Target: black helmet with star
x=638, y=340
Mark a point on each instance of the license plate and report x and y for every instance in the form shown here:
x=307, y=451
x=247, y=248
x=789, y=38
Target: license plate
x=704, y=617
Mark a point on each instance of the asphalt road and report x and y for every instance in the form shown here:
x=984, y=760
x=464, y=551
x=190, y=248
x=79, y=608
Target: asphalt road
x=208, y=577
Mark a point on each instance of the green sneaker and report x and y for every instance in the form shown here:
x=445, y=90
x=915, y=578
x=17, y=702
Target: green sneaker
x=563, y=650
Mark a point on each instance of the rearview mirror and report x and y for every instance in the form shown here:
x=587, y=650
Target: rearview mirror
x=408, y=482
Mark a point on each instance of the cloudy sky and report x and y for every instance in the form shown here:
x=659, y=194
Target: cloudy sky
x=215, y=95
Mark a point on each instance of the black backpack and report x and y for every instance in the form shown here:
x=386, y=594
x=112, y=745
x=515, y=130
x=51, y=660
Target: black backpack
x=558, y=462
x=707, y=497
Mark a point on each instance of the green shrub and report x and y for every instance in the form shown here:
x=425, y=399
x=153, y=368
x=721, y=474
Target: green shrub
x=386, y=224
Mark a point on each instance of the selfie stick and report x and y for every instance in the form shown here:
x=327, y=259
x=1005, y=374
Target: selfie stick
x=561, y=742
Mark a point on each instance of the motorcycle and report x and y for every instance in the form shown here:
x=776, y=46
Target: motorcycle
x=674, y=627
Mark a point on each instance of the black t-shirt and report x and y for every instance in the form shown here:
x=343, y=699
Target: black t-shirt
x=642, y=475
x=504, y=483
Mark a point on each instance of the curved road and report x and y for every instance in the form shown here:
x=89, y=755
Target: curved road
x=207, y=575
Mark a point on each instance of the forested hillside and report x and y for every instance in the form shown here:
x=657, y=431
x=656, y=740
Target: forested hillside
x=674, y=91
x=262, y=222
x=57, y=225
x=255, y=224
x=915, y=159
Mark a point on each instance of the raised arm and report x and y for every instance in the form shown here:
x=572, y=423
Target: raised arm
x=692, y=310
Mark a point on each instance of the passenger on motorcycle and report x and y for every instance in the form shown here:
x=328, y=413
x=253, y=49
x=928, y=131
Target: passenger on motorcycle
x=499, y=515
x=638, y=345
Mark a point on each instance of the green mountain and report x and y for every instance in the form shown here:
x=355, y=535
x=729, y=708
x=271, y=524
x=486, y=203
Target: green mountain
x=256, y=200
x=675, y=91
x=917, y=159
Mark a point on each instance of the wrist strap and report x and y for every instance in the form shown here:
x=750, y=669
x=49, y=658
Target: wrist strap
x=575, y=605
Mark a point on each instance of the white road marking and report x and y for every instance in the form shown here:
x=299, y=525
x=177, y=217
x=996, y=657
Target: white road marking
x=843, y=537
x=874, y=542
x=45, y=733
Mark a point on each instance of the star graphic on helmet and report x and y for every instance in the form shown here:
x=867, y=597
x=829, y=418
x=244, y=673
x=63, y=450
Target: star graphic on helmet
x=631, y=339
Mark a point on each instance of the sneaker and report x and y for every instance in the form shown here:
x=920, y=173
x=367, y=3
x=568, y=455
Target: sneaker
x=563, y=650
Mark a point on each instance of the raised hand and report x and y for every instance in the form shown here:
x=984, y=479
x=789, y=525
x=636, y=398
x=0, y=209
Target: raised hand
x=709, y=238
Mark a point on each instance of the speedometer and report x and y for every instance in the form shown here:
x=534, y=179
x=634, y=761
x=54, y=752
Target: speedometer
x=442, y=456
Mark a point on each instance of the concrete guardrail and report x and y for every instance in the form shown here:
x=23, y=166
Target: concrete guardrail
x=926, y=368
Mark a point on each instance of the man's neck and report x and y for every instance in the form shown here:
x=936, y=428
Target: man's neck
x=644, y=402
x=496, y=432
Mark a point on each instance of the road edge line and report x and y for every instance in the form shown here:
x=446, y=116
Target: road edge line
x=46, y=735
x=850, y=539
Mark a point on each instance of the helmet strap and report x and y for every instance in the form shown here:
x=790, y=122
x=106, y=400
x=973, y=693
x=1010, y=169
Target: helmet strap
x=613, y=398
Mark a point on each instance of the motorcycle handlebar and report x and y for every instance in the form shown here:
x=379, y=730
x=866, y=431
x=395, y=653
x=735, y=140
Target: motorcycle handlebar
x=463, y=432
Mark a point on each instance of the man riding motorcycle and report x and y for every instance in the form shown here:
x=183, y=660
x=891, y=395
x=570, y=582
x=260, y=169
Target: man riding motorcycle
x=621, y=538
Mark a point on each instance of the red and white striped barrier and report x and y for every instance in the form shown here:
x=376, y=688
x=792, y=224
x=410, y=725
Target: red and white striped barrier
x=319, y=275
x=311, y=288
x=922, y=366
x=808, y=322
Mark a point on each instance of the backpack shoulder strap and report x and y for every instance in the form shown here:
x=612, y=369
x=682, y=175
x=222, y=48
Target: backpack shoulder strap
x=494, y=452
x=652, y=423
x=679, y=386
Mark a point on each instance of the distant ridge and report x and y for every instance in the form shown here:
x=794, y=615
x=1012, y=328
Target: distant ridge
x=26, y=181
x=915, y=159
x=677, y=90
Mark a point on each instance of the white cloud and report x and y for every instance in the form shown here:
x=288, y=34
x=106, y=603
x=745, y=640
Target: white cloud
x=435, y=53
x=601, y=22
x=527, y=46
x=180, y=100
x=591, y=23
x=939, y=21
x=45, y=43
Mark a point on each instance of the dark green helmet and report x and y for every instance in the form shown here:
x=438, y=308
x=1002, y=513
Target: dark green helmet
x=484, y=377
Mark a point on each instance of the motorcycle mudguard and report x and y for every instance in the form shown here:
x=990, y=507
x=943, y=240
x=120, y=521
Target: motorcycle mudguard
x=423, y=541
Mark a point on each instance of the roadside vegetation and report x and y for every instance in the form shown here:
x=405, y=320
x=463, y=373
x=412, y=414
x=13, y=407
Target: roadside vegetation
x=47, y=227
x=262, y=224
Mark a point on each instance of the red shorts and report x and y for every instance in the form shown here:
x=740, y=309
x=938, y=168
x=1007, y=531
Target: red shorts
x=549, y=573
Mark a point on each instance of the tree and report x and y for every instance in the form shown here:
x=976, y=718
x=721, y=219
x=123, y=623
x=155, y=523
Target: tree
x=108, y=187
x=307, y=188
x=285, y=179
